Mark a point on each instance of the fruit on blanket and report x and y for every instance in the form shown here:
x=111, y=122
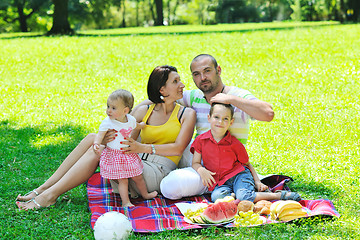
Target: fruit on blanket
x=245, y=206
x=112, y=225
x=262, y=207
x=213, y=213
x=219, y=212
x=291, y=214
x=286, y=210
x=225, y=199
x=247, y=219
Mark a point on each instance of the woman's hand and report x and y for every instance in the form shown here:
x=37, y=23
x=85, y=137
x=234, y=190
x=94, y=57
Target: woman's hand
x=134, y=146
x=110, y=135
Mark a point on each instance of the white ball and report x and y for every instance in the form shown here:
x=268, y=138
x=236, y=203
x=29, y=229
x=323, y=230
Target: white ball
x=112, y=225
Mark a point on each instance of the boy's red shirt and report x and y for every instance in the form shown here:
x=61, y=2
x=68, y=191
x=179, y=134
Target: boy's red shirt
x=226, y=157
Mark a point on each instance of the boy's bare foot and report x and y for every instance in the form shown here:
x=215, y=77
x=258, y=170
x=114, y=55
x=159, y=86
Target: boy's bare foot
x=30, y=195
x=128, y=204
x=150, y=195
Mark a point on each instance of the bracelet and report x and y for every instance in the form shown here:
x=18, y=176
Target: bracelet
x=153, y=151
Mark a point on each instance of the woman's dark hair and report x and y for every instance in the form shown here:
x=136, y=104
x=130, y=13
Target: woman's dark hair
x=157, y=79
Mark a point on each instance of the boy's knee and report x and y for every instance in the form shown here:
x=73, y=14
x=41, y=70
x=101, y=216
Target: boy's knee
x=220, y=194
x=245, y=194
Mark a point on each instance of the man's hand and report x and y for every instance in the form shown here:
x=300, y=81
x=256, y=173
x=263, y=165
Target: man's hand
x=221, y=98
x=206, y=176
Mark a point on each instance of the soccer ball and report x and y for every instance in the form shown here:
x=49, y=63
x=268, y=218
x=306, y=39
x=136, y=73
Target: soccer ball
x=112, y=225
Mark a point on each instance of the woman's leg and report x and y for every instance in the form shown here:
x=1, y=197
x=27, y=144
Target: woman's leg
x=78, y=173
x=69, y=161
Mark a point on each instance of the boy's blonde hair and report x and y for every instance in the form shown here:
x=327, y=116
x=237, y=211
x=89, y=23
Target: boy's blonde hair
x=125, y=96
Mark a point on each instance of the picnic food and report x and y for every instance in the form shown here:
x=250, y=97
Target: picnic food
x=214, y=213
x=262, y=207
x=244, y=219
x=286, y=210
x=245, y=206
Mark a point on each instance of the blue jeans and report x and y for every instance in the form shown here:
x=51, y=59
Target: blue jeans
x=241, y=184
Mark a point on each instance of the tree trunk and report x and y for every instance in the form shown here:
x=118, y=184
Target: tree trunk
x=60, y=18
x=22, y=17
x=159, y=13
x=123, y=14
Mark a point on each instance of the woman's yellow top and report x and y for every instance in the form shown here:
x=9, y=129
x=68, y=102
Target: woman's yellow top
x=162, y=134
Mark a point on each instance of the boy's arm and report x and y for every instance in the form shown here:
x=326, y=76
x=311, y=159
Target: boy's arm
x=258, y=184
x=206, y=176
x=97, y=141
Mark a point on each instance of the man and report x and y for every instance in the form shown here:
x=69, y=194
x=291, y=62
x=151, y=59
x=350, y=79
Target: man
x=206, y=74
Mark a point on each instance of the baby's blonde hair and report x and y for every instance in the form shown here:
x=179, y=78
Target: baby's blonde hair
x=125, y=96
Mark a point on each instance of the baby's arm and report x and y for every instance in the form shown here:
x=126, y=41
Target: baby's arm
x=258, y=184
x=206, y=176
x=98, y=139
x=139, y=125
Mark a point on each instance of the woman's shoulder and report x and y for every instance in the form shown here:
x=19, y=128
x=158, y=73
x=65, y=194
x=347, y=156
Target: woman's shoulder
x=140, y=112
x=186, y=113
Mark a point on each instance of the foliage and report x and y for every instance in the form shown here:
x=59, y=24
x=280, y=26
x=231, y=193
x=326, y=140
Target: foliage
x=54, y=92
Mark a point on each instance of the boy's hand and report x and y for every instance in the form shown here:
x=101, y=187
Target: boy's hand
x=206, y=176
x=260, y=186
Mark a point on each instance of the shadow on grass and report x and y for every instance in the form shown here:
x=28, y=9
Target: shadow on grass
x=30, y=154
x=277, y=28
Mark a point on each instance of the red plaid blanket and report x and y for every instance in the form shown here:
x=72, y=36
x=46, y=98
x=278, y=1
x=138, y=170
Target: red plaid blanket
x=161, y=214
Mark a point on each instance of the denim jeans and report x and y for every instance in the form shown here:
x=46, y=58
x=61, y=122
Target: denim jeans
x=241, y=184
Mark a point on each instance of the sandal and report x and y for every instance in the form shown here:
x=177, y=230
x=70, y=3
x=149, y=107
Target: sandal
x=286, y=195
x=21, y=205
x=33, y=191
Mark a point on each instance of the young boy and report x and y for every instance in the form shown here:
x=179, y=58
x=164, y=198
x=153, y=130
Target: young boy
x=226, y=163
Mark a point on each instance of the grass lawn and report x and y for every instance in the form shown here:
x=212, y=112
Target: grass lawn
x=54, y=90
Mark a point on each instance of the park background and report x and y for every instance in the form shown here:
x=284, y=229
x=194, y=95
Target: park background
x=54, y=91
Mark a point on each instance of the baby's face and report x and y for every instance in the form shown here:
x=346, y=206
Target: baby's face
x=116, y=109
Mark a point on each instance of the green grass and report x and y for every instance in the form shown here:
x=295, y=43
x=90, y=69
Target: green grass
x=54, y=90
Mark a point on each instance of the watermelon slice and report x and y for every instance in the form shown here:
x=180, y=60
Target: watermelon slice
x=219, y=212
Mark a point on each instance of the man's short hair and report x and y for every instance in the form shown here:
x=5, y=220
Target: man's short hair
x=201, y=56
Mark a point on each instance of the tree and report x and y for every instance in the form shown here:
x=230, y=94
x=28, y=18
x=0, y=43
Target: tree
x=159, y=21
x=61, y=23
x=24, y=9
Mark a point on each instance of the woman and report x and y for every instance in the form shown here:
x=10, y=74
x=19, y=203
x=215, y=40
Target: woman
x=163, y=119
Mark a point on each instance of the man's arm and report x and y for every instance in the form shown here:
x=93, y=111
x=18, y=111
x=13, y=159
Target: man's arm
x=257, y=109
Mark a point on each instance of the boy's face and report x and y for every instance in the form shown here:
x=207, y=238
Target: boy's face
x=220, y=120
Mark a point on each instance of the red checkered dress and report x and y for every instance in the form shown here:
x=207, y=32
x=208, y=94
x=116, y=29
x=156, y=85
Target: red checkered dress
x=115, y=164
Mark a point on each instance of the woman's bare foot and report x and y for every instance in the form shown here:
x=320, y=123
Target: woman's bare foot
x=128, y=204
x=30, y=195
x=35, y=203
x=150, y=195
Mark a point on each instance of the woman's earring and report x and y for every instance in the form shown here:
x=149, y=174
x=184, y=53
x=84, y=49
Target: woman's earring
x=162, y=97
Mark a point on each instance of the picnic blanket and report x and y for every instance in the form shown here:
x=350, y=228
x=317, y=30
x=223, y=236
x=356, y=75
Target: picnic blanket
x=160, y=214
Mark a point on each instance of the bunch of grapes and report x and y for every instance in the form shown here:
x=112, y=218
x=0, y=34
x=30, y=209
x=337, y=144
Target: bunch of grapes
x=192, y=213
x=244, y=219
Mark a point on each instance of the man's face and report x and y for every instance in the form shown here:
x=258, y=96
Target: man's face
x=206, y=77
